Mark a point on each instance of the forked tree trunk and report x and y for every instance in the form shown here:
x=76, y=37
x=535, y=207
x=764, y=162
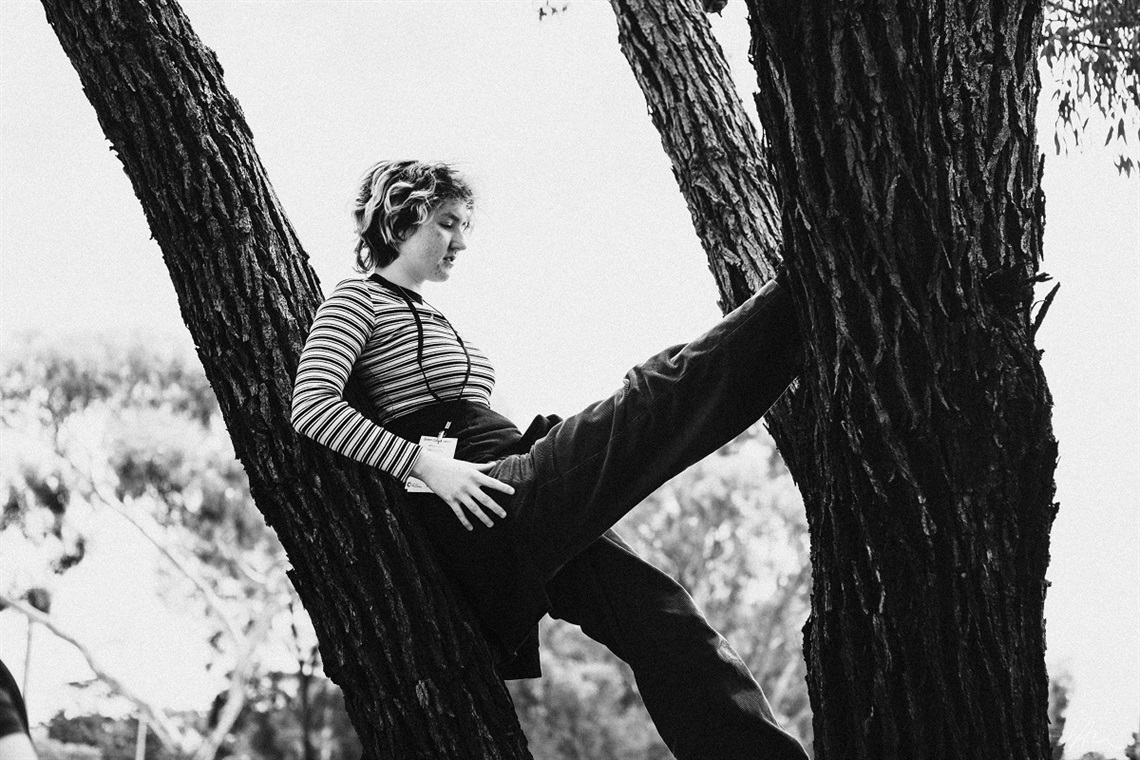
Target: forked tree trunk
x=903, y=147
x=905, y=161
x=416, y=674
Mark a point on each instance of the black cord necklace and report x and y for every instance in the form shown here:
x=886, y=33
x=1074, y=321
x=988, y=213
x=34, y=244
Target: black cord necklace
x=420, y=333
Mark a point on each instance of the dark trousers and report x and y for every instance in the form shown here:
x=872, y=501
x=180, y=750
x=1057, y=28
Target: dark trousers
x=703, y=701
x=592, y=468
x=672, y=410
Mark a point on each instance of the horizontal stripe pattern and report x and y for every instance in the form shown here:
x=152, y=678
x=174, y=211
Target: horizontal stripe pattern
x=366, y=331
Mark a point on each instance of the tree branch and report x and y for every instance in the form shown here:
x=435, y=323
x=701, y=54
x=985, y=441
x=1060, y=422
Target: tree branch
x=715, y=150
x=242, y=672
x=1056, y=6
x=1112, y=48
x=213, y=603
x=167, y=733
x=1045, y=304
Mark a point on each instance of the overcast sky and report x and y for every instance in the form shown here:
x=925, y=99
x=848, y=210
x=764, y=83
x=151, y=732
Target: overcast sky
x=583, y=260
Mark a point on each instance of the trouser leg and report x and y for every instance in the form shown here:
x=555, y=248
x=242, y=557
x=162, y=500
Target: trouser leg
x=672, y=410
x=699, y=693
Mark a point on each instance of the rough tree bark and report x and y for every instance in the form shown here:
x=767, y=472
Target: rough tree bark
x=715, y=151
x=904, y=158
x=719, y=164
x=417, y=676
x=905, y=162
x=905, y=150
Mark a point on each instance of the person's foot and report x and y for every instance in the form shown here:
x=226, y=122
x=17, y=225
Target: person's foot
x=782, y=275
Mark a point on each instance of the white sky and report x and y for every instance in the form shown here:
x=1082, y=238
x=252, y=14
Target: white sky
x=583, y=259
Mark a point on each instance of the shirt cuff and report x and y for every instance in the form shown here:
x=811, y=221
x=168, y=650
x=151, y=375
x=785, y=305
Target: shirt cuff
x=401, y=460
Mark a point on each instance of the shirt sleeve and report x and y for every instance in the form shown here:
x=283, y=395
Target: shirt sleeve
x=342, y=327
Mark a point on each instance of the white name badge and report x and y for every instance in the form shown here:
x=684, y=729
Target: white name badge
x=444, y=446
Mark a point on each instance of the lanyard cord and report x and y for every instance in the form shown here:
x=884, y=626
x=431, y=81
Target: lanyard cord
x=420, y=343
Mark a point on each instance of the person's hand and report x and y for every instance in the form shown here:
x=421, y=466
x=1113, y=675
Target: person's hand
x=460, y=484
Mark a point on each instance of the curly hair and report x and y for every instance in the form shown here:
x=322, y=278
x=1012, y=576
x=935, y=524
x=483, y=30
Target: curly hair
x=394, y=198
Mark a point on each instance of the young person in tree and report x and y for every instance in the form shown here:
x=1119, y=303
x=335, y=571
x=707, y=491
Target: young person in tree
x=521, y=520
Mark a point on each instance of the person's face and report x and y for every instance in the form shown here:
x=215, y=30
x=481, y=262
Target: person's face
x=428, y=254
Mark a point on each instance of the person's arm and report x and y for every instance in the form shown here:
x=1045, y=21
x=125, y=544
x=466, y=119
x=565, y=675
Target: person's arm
x=342, y=327
x=343, y=324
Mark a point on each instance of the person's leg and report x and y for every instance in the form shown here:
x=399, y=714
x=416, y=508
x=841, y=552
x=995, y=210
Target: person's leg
x=673, y=409
x=699, y=693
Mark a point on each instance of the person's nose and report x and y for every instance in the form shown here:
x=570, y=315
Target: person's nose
x=458, y=241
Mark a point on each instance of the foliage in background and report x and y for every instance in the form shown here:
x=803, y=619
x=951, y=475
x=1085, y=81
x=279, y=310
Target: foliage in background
x=93, y=430
x=112, y=738
x=1060, y=684
x=1092, y=49
x=293, y=716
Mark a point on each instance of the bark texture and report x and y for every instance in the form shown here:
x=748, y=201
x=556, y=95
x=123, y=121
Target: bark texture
x=715, y=151
x=417, y=677
x=720, y=165
x=905, y=151
x=904, y=160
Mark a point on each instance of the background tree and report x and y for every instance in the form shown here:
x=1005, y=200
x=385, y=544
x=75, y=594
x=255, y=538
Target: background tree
x=96, y=737
x=1092, y=49
x=1059, y=686
x=1132, y=751
x=122, y=430
x=292, y=715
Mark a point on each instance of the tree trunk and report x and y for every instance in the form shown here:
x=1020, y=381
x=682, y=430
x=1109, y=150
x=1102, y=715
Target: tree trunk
x=715, y=151
x=905, y=150
x=719, y=163
x=904, y=155
x=417, y=676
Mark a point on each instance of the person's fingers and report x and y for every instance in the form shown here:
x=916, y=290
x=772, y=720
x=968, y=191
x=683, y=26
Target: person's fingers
x=474, y=508
x=486, y=481
x=458, y=510
x=486, y=500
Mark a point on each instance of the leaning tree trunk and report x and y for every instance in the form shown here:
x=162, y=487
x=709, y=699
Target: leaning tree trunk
x=417, y=676
x=904, y=155
x=716, y=154
x=719, y=164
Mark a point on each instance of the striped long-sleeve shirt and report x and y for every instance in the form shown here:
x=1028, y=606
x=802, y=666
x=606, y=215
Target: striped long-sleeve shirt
x=367, y=329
